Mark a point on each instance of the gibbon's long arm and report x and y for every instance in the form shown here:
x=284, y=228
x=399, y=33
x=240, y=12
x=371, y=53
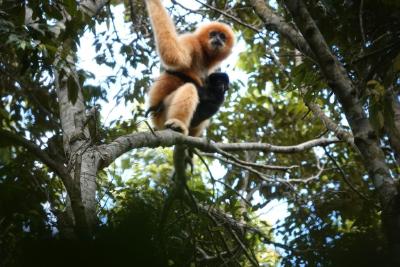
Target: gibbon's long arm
x=173, y=54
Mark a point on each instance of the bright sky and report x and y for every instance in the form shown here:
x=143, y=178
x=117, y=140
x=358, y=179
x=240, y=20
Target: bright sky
x=275, y=210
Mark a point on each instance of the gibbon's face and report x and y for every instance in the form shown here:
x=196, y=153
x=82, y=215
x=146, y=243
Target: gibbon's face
x=216, y=38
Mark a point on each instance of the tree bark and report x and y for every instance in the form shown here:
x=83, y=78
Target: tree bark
x=82, y=161
x=392, y=128
x=109, y=152
x=76, y=141
x=310, y=38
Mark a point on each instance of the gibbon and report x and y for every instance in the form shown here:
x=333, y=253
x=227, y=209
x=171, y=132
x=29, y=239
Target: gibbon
x=185, y=96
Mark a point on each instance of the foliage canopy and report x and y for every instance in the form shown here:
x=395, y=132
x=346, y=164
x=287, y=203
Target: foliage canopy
x=334, y=216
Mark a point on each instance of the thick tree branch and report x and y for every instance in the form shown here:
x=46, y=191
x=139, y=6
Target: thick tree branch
x=166, y=138
x=278, y=24
x=275, y=22
x=82, y=162
x=365, y=137
x=336, y=76
x=93, y=7
x=277, y=149
x=392, y=128
x=312, y=43
x=328, y=122
x=71, y=187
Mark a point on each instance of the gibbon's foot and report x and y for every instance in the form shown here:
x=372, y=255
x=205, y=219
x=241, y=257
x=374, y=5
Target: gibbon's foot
x=177, y=126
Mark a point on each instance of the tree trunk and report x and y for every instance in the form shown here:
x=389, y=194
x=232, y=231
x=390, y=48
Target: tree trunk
x=80, y=160
x=312, y=44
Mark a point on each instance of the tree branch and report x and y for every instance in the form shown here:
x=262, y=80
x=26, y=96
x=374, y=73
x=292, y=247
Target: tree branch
x=235, y=19
x=278, y=24
x=336, y=76
x=58, y=168
x=332, y=126
x=251, y=164
x=275, y=22
x=92, y=8
x=277, y=149
x=109, y=152
x=346, y=180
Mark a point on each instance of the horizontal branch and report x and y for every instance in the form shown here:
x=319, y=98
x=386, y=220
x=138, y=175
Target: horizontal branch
x=109, y=152
x=251, y=164
x=264, y=147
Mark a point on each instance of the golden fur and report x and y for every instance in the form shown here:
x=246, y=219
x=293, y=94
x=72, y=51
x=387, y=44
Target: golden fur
x=192, y=54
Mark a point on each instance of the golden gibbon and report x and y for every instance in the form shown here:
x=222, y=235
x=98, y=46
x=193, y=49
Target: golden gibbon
x=186, y=85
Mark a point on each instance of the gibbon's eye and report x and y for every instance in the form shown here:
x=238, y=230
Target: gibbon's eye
x=220, y=35
x=217, y=38
x=213, y=34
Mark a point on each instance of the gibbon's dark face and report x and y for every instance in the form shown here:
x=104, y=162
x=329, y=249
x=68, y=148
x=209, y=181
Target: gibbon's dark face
x=217, y=39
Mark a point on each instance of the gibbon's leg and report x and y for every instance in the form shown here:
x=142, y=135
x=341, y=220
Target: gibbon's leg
x=162, y=87
x=197, y=131
x=173, y=53
x=180, y=106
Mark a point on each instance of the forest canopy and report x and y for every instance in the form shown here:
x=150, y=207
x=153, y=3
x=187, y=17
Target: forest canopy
x=310, y=125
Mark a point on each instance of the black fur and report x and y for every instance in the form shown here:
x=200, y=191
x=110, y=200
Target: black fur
x=211, y=96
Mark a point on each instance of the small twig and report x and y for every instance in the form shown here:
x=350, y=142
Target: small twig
x=231, y=222
x=308, y=179
x=256, y=165
x=230, y=16
x=219, y=181
x=184, y=7
x=377, y=51
x=342, y=173
x=239, y=165
x=208, y=169
x=149, y=126
x=214, y=220
x=360, y=19
x=262, y=176
x=244, y=249
x=113, y=23
x=346, y=180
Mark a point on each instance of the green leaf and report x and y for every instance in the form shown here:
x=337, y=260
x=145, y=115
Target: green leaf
x=125, y=163
x=71, y=7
